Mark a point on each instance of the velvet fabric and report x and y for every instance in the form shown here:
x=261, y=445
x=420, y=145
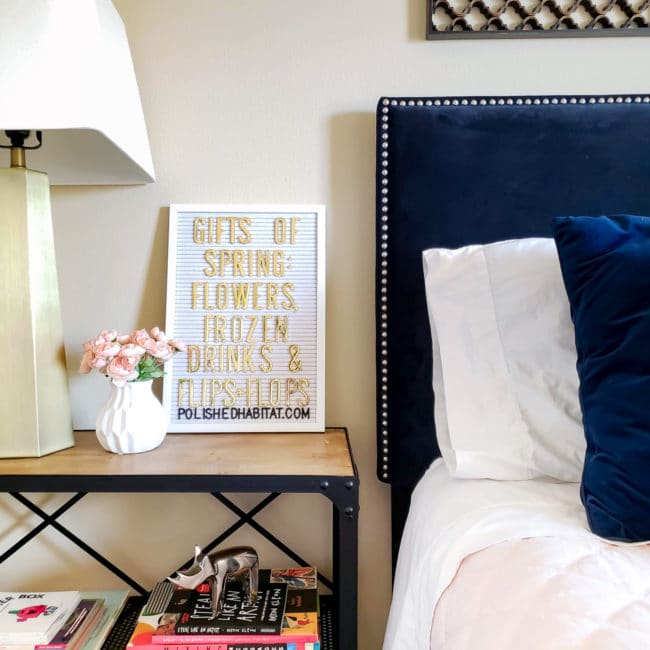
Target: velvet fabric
x=605, y=264
x=453, y=172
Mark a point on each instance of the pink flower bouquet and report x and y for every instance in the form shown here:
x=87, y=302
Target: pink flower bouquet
x=138, y=356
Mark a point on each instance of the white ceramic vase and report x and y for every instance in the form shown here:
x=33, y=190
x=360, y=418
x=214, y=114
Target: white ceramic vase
x=132, y=420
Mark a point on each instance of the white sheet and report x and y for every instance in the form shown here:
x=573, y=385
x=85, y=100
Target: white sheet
x=452, y=518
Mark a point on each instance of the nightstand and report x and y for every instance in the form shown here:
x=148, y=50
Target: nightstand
x=273, y=463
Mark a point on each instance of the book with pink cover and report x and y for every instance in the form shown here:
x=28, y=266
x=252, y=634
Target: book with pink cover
x=287, y=644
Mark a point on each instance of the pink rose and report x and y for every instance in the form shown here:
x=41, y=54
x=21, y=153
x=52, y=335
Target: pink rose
x=97, y=353
x=108, y=335
x=159, y=349
x=125, y=365
x=127, y=357
x=140, y=337
x=158, y=334
x=178, y=345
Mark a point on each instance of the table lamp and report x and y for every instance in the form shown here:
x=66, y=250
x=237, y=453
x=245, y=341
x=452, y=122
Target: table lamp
x=68, y=91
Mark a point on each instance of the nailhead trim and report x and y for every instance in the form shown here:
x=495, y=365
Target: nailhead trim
x=384, y=114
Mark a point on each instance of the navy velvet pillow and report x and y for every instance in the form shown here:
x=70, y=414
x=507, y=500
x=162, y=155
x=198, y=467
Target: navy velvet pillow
x=605, y=264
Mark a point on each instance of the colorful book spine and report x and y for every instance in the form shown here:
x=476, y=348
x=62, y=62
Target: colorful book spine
x=78, y=626
x=114, y=601
x=199, y=640
x=291, y=644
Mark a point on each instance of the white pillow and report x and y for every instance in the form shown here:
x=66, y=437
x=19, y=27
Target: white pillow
x=504, y=361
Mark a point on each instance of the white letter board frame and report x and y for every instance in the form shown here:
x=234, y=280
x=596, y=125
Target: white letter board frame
x=246, y=294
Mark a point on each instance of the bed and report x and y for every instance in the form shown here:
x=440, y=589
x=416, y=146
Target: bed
x=500, y=543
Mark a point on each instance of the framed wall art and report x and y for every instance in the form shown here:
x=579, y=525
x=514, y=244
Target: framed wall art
x=246, y=294
x=533, y=18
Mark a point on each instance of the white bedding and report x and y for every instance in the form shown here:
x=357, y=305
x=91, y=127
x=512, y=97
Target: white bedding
x=452, y=519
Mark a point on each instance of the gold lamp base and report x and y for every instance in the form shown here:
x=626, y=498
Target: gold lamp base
x=34, y=399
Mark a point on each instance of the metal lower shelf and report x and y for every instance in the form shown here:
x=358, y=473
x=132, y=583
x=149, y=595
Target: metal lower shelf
x=123, y=628
x=121, y=632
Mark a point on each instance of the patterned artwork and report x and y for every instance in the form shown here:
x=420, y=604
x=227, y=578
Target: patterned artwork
x=462, y=18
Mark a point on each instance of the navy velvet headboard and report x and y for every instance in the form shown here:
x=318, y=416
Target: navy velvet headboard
x=455, y=171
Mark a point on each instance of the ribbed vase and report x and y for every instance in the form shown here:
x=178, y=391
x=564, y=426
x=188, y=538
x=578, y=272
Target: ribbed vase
x=132, y=420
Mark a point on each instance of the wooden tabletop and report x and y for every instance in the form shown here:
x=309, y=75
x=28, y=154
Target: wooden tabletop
x=191, y=454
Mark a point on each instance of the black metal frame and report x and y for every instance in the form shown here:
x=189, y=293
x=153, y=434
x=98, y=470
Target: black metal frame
x=342, y=491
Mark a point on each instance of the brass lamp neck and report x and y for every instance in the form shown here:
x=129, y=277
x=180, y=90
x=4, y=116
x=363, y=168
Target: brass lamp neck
x=17, y=139
x=17, y=157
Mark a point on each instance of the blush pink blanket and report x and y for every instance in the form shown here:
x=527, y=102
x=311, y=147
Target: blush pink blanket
x=547, y=593
x=512, y=565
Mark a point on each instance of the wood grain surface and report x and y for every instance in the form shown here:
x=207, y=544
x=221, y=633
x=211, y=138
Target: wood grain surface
x=318, y=454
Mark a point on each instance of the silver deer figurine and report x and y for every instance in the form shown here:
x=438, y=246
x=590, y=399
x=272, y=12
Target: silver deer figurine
x=217, y=567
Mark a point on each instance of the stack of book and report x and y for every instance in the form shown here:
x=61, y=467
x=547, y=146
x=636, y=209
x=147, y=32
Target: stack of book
x=284, y=616
x=58, y=620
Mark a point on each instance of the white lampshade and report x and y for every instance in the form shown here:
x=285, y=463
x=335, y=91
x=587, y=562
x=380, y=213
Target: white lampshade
x=66, y=69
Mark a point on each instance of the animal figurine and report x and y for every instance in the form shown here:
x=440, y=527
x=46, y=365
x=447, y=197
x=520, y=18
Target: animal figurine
x=239, y=562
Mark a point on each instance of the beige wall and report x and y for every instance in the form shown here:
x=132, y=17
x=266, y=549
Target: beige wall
x=253, y=101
